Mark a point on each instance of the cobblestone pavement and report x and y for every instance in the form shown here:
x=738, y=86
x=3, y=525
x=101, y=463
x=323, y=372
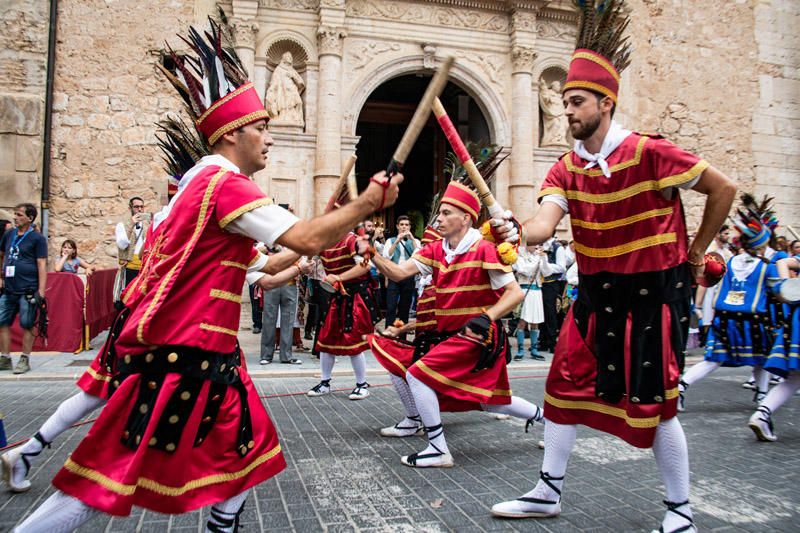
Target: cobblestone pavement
x=342, y=476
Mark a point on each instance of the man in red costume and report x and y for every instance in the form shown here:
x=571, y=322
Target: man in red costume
x=621, y=349
x=184, y=427
x=466, y=369
x=352, y=312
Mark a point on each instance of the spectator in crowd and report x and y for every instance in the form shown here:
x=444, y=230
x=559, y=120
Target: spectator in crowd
x=554, y=270
x=130, y=234
x=315, y=297
x=69, y=260
x=256, y=306
x=794, y=248
x=528, y=272
x=780, y=244
x=5, y=225
x=23, y=254
x=279, y=301
x=399, y=249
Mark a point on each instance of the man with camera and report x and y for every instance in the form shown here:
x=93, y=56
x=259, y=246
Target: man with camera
x=130, y=234
x=23, y=253
x=399, y=249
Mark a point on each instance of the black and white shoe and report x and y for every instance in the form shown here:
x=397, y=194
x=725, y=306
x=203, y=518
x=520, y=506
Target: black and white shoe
x=685, y=522
x=321, y=389
x=16, y=466
x=408, y=427
x=761, y=424
x=360, y=391
x=431, y=459
x=531, y=507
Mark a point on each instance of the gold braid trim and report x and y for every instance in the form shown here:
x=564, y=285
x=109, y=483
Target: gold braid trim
x=602, y=408
x=605, y=64
x=236, y=213
x=236, y=124
x=611, y=224
x=225, y=295
x=217, y=329
x=458, y=385
x=592, y=86
x=233, y=264
x=628, y=247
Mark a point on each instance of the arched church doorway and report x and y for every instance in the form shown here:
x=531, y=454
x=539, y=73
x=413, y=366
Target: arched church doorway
x=382, y=122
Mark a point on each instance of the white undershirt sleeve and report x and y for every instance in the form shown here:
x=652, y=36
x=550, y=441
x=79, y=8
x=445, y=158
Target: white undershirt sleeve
x=500, y=279
x=121, y=236
x=557, y=199
x=424, y=269
x=266, y=223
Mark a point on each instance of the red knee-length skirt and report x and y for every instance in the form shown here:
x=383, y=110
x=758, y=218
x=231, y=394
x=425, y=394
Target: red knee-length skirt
x=107, y=475
x=570, y=389
x=334, y=340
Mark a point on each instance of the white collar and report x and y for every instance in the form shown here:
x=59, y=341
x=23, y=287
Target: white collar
x=743, y=265
x=471, y=237
x=614, y=137
x=205, y=161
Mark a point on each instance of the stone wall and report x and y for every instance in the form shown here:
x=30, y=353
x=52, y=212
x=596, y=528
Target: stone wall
x=776, y=118
x=107, y=98
x=23, y=63
x=693, y=79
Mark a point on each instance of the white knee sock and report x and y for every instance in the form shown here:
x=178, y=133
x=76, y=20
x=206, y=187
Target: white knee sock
x=359, y=363
x=559, y=439
x=58, y=514
x=761, y=377
x=699, y=371
x=672, y=458
x=326, y=362
x=70, y=411
x=428, y=405
x=404, y=392
x=781, y=392
x=223, y=514
x=519, y=408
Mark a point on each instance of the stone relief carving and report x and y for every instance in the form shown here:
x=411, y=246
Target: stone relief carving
x=245, y=33
x=329, y=40
x=554, y=119
x=428, y=14
x=521, y=21
x=556, y=30
x=522, y=58
x=428, y=56
x=365, y=51
x=492, y=65
x=283, y=99
x=289, y=4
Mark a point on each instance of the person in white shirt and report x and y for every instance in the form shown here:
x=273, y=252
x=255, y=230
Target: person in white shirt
x=398, y=249
x=130, y=234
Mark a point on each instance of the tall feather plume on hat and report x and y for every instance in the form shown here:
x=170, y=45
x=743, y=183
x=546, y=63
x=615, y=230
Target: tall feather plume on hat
x=755, y=221
x=601, y=28
x=214, y=70
x=181, y=147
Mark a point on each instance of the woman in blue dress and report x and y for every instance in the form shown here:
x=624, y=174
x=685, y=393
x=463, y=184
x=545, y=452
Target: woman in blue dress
x=746, y=320
x=784, y=361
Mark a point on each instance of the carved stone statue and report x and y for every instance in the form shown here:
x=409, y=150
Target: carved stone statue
x=283, y=100
x=554, y=119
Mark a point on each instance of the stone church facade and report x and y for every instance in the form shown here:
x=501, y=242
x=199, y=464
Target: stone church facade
x=722, y=81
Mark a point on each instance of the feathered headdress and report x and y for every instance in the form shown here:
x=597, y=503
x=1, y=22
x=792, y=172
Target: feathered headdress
x=601, y=51
x=755, y=221
x=181, y=148
x=213, y=82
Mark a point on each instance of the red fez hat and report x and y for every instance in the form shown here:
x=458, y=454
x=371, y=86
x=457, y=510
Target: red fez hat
x=234, y=110
x=462, y=197
x=593, y=72
x=431, y=234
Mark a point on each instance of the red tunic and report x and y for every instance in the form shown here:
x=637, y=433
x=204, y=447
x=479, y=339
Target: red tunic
x=463, y=291
x=426, y=310
x=622, y=225
x=333, y=337
x=187, y=294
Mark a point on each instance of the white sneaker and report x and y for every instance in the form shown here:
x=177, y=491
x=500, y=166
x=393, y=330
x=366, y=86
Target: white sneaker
x=14, y=471
x=402, y=431
x=527, y=508
x=428, y=460
x=360, y=392
x=761, y=424
x=321, y=389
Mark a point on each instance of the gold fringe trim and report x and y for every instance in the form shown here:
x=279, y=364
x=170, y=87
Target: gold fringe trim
x=166, y=490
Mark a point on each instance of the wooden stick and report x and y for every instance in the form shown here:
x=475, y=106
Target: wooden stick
x=791, y=229
x=344, y=181
x=463, y=155
x=435, y=88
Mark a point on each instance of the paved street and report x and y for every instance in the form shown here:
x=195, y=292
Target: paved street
x=342, y=476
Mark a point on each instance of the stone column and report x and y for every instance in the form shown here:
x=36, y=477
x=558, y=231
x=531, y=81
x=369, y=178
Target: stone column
x=328, y=162
x=245, y=32
x=521, y=190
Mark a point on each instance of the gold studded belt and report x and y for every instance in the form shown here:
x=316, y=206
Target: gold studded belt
x=195, y=366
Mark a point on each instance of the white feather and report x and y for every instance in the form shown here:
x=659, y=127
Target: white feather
x=224, y=86
x=206, y=93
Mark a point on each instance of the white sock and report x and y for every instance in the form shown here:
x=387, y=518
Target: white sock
x=428, y=405
x=672, y=458
x=359, y=363
x=326, y=362
x=519, y=408
x=69, y=411
x=559, y=439
x=60, y=513
x=223, y=514
x=407, y=399
x=761, y=377
x=781, y=392
x=699, y=371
